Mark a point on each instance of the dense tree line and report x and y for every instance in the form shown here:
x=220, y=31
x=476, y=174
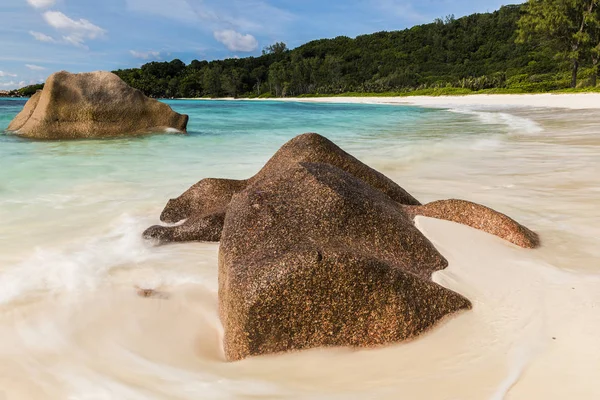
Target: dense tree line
x=476, y=51
x=570, y=28
x=530, y=47
x=26, y=91
x=479, y=51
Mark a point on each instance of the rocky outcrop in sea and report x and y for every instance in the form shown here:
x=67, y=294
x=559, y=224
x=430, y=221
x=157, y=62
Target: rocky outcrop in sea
x=92, y=105
x=319, y=249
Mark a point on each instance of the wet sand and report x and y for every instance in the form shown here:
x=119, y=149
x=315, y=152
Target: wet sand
x=531, y=334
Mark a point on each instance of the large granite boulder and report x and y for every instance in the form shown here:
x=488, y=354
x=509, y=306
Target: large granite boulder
x=318, y=249
x=92, y=105
x=312, y=256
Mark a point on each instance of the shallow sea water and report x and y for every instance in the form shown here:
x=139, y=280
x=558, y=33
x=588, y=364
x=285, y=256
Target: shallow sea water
x=71, y=254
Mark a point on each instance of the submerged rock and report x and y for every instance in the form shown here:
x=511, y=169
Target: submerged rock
x=318, y=249
x=92, y=105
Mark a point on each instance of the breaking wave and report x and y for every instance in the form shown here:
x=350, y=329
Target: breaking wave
x=515, y=124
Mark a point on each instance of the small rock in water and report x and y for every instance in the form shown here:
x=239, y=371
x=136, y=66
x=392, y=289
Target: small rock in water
x=93, y=105
x=147, y=293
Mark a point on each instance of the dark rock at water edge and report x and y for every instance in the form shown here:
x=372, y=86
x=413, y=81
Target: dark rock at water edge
x=312, y=256
x=318, y=249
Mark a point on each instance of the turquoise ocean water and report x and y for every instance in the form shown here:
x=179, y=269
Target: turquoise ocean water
x=475, y=153
x=74, y=210
x=224, y=138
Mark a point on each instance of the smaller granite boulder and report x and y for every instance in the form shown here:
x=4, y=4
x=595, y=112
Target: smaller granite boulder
x=206, y=197
x=92, y=105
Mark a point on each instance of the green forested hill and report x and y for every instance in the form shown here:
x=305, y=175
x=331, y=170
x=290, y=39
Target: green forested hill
x=471, y=53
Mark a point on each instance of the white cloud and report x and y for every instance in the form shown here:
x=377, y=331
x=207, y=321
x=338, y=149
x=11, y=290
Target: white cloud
x=60, y=21
x=41, y=3
x=34, y=67
x=42, y=37
x=3, y=74
x=76, y=31
x=236, y=41
x=15, y=85
x=144, y=55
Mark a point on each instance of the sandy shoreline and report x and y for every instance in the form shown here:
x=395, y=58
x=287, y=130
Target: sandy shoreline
x=575, y=101
x=73, y=326
x=531, y=330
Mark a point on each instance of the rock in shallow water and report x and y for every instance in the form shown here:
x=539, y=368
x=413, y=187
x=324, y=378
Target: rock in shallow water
x=318, y=249
x=92, y=105
x=313, y=256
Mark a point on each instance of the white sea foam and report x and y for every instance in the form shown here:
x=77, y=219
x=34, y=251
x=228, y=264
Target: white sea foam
x=574, y=101
x=515, y=124
x=172, y=130
x=80, y=266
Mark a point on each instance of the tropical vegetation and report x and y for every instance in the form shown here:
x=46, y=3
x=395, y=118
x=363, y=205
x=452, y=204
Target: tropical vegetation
x=542, y=45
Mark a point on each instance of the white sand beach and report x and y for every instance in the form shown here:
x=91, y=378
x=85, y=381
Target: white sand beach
x=574, y=101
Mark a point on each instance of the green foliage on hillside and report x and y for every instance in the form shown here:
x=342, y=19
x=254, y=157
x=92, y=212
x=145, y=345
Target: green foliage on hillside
x=569, y=28
x=27, y=91
x=491, y=52
x=472, y=53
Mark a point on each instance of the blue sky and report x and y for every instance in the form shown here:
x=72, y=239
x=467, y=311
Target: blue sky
x=38, y=37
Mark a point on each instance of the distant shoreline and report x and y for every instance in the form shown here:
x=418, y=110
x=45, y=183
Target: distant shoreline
x=574, y=101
